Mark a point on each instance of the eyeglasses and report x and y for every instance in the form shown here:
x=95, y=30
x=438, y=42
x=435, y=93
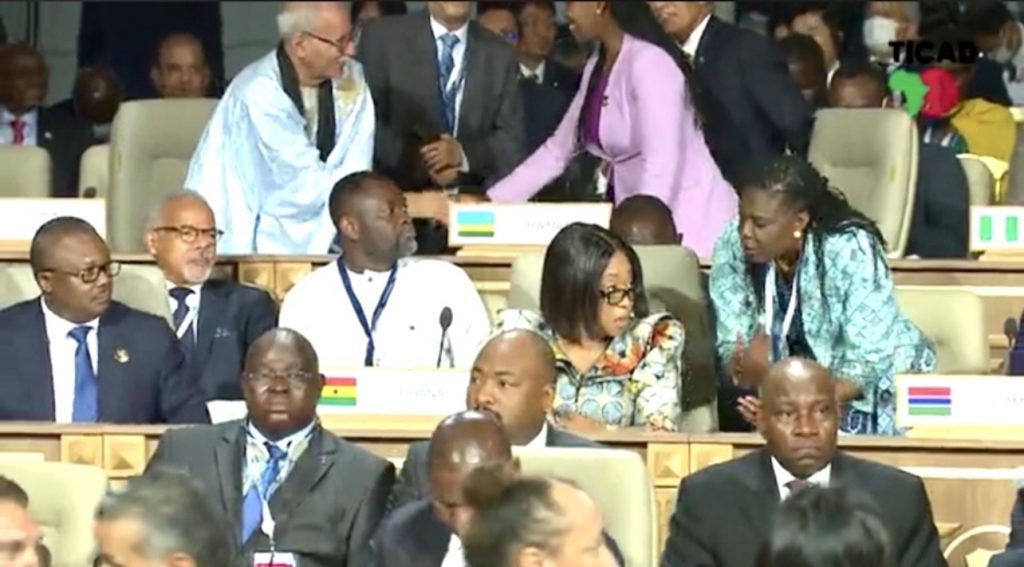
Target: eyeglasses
x=295, y=378
x=617, y=295
x=340, y=44
x=90, y=274
x=189, y=234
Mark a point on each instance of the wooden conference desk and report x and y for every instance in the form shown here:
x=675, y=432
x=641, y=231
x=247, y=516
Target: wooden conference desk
x=970, y=482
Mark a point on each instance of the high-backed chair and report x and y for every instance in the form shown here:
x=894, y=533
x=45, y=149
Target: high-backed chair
x=618, y=482
x=138, y=286
x=94, y=172
x=25, y=171
x=980, y=180
x=871, y=156
x=62, y=499
x=954, y=319
x=151, y=143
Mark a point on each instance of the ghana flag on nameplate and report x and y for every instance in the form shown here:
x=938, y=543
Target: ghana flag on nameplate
x=339, y=392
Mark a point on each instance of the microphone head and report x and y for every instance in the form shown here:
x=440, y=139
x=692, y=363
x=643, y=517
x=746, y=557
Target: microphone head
x=1010, y=327
x=446, y=318
x=1018, y=479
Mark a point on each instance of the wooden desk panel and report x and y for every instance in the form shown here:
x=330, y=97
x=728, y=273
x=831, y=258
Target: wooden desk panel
x=969, y=483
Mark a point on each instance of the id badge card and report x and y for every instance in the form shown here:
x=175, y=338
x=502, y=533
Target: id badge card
x=277, y=559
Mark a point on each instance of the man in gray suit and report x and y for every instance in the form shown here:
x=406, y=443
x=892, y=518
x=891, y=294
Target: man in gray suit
x=324, y=495
x=513, y=378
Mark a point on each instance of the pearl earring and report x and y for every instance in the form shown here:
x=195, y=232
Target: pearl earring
x=798, y=234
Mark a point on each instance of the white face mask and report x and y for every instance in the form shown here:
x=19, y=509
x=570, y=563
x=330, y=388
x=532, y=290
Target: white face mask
x=1003, y=54
x=878, y=32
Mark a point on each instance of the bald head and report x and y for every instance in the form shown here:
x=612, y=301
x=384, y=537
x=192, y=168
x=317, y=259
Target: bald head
x=97, y=94
x=286, y=341
x=468, y=439
x=512, y=348
x=791, y=373
x=644, y=220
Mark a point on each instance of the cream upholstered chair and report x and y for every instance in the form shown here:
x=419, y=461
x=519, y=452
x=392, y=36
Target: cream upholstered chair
x=871, y=156
x=141, y=287
x=618, y=482
x=954, y=319
x=24, y=172
x=94, y=172
x=62, y=499
x=980, y=181
x=151, y=143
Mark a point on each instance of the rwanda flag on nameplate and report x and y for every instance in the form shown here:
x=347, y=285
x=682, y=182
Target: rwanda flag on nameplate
x=338, y=392
x=475, y=223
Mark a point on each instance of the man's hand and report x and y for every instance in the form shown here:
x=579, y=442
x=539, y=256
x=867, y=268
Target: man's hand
x=750, y=409
x=441, y=155
x=752, y=362
x=444, y=177
x=428, y=204
x=471, y=199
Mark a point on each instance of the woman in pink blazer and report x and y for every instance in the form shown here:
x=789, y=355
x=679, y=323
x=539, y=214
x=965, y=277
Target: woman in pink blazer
x=633, y=109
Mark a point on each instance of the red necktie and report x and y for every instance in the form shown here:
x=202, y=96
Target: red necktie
x=18, y=125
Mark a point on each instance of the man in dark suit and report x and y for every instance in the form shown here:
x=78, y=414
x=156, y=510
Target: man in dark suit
x=23, y=121
x=215, y=320
x=426, y=531
x=324, y=496
x=73, y=355
x=750, y=106
x=513, y=378
x=449, y=110
x=724, y=512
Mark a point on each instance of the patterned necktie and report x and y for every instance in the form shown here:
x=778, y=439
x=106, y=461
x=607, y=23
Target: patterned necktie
x=252, y=504
x=798, y=484
x=86, y=404
x=446, y=66
x=188, y=339
x=18, y=127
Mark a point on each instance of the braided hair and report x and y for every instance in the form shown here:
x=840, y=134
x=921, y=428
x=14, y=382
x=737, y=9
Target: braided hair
x=805, y=189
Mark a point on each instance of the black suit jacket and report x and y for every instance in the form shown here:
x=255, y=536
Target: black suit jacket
x=561, y=77
x=141, y=374
x=399, y=57
x=413, y=537
x=65, y=137
x=751, y=108
x=724, y=512
x=414, y=481
x=231, y=317
x=941, y=220
x=325, y=511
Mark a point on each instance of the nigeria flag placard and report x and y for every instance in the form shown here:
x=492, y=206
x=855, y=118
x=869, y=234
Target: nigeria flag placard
x=997, y=228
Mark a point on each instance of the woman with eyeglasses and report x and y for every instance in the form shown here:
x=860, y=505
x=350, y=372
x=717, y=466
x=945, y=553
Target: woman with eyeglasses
x=618, y=364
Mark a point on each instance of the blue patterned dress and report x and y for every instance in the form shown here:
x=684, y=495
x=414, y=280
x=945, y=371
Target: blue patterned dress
x=852, y=326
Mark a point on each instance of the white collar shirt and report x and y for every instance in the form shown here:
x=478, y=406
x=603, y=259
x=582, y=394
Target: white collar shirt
x=62, y=359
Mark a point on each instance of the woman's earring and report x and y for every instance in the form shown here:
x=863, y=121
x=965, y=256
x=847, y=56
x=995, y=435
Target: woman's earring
x=798, y=234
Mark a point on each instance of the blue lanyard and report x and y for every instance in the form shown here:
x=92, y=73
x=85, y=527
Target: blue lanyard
x=371, y=326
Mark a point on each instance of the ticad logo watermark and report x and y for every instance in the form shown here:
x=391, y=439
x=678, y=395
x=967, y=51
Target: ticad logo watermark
x=926, y=52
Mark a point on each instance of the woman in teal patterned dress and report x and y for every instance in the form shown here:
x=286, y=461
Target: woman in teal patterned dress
x=618, y=365
x=802, y=273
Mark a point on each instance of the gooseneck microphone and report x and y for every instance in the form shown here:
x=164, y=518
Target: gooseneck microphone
x=445, y=321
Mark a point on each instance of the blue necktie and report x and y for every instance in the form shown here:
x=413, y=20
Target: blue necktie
x=446, y=66
x=252, y=504
x=188, y=340
x=86, y=408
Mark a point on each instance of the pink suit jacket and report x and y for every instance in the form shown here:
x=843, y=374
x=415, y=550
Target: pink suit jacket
x=649, y=135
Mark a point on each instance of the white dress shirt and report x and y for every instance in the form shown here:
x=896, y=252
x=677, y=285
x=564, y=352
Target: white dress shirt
x=535, y=74
x=541, y=440
x=693, y=42
x=31, y=120
x=454, y=557
x=62, y=359
x=784, y=477
x=192, y=302
x=408, y=333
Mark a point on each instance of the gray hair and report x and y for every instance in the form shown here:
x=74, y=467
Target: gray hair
x=298, y=17
x=153, y=220
x=175, y=517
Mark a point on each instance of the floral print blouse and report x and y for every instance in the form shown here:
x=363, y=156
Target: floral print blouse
x=634, y=384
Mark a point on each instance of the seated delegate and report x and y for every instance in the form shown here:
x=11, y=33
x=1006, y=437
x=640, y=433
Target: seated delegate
x=803, y=273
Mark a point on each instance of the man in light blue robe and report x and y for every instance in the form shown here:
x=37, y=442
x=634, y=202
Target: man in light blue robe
x=288, y=128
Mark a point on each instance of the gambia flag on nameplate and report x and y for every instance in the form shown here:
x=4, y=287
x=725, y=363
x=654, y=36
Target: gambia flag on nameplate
x=338, y=392
x=930, y=400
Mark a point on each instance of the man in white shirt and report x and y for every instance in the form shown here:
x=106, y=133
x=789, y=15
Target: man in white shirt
x=215, y=320
x=377, y=306
x=724, y=512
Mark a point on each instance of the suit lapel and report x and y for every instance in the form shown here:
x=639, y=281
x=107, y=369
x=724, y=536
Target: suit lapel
x=764, y=494
x=228, y=458
x=45, y=130
x=212, y=309
x=475, y=88
x=429, y=538
x=113, y=360
x=706, y=45
x=313, y=465
x=426, y=75
x=38, y=367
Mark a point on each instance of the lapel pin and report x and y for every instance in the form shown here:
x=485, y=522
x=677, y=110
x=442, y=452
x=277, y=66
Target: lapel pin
x=121, y=356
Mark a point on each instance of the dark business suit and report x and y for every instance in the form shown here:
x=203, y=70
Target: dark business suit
x=1008, y=558
x=231, y=317
x=399, y=57
x=325, y=511
x=141, y=377
x=941, y=219
x=413, y=537
x=414, y=481
x=65, y=138
x=724, y=512
x=751, y=107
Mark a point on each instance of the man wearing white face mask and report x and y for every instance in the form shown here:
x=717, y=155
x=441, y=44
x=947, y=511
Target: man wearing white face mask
x=889, y=21
x=999, y=35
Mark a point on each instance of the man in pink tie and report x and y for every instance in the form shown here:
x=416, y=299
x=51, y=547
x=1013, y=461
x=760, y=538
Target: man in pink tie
x=25, y=122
